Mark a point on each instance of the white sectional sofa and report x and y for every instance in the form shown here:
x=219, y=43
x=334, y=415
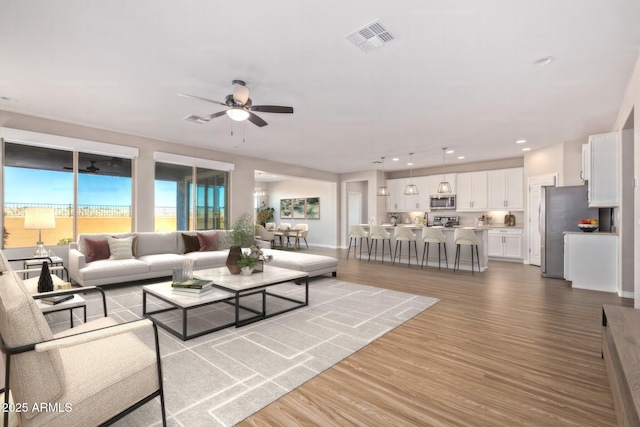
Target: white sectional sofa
x=156, y=254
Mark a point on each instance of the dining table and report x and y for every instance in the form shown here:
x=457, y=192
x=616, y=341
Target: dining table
x=292, y=232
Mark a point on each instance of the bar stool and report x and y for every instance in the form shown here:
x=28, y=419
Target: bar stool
x=379, y=233
x=357, y=232
x=405, y=234
x=466, y=237
x=433, y=235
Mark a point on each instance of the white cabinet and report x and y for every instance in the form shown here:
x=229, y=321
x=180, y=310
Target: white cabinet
x=395, y=200
x=471, y=191
x=585, y=173
x=505, y=243
x=603, y=173
x=591, y=260
x=506, y=189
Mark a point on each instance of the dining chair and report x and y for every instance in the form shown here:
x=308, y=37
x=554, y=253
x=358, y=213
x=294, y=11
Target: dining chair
x=303, y=232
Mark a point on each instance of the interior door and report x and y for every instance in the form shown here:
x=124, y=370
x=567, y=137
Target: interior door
x=355, y=208
x=535, y=192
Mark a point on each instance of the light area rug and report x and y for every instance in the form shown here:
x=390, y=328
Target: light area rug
x=221, y=378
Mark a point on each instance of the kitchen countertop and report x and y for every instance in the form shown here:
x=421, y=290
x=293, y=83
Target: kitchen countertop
x=419, y=227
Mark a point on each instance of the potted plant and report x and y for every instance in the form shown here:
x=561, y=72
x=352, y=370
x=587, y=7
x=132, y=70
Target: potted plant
x=247, y=263
x=241, y=233
x=264, y=214
x=394, y=218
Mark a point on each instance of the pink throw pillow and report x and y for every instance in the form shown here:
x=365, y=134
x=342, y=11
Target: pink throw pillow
x=97, y=249
x=208, y=241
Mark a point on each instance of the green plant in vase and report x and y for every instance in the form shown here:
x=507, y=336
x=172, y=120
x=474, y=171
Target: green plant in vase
x=240, y=234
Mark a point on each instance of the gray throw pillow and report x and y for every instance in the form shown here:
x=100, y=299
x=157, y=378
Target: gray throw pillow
x=121, y=248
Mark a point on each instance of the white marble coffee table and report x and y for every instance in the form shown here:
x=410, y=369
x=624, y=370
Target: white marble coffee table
x=230, y=289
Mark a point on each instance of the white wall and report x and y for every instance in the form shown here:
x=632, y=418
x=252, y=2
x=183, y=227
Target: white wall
x=631, y=98
x=323, y=231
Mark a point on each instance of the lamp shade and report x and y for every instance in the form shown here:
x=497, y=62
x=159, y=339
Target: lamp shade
x=383, y=191
x=444, y=187
x=39, y=219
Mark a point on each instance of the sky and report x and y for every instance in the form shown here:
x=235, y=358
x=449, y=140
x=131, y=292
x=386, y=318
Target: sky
x=26, y=186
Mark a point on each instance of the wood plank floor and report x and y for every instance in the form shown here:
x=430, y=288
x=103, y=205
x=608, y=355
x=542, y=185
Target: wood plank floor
x=502, y=348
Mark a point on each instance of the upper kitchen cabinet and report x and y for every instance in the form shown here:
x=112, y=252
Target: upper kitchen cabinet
x=471, y=191
x=603, y=171
x=399, y=202
x=506, y=189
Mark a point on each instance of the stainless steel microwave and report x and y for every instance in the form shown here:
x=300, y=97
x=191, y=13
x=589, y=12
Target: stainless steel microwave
x=443, y=201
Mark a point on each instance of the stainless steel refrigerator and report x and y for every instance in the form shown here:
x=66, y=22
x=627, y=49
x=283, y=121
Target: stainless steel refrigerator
x=560, y=210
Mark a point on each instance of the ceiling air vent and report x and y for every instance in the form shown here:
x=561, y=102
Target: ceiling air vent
x=371, y=36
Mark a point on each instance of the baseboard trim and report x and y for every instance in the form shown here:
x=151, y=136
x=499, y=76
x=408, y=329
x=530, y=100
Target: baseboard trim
x=627, y=294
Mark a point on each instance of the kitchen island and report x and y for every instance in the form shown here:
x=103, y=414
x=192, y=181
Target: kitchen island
x=465, y=252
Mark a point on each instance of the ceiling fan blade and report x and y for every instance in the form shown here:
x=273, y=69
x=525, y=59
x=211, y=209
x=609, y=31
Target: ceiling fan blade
x=68, y=168
x=256, y=120
x=240, y=93
x=271, y=109
x=214, y=115
x=202, y=99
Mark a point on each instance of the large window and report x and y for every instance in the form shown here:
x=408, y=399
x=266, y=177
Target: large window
x=104, y=194
x=174, y=198
x=37, y=176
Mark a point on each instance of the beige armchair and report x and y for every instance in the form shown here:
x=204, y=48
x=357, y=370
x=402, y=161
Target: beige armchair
x=303, y=232
x=93, y=374
x=263, y=234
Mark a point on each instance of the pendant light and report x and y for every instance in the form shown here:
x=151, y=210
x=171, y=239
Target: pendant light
x=259, y=191
x=383, y=190
x=411, y=189
x=444, y=186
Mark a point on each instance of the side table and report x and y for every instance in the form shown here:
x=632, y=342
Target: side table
x=55, y=262
x=76, y=302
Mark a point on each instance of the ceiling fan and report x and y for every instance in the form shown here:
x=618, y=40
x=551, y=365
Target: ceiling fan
x=92, y=168
x=240, y=107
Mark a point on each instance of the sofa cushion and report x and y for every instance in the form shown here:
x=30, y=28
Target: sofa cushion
x=208, y=259
x=163, y=262
x=191, y=243
x=208, y=240
x=81, y=239
x=113, y=268
x=97, y=249
x=120, y=248
x=150, y=243
x=301, y=262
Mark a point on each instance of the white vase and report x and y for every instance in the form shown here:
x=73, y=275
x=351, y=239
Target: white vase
x=246, y=271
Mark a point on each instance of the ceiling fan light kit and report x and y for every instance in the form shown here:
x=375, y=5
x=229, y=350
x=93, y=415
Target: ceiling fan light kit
x=240, y=107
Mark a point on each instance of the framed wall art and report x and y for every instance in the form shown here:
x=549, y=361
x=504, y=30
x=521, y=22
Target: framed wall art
x=298, y=207
x=286, y=211
x=312, y=208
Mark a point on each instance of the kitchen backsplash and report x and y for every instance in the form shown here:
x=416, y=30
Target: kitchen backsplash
x=466, y=218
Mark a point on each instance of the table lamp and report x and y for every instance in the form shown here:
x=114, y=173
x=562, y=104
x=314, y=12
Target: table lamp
x=39, y=219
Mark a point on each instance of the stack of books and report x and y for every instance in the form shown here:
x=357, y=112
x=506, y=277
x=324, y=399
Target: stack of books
x=56, y=300
x=192, y=286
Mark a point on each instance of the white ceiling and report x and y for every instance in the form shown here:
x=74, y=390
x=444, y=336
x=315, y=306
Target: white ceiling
x=459, y=74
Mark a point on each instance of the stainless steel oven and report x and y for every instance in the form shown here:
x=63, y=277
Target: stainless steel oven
x=443, y=201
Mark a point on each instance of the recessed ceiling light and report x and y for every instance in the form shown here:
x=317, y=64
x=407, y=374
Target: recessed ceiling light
x=395, y=159
x=460, y=157
x=450, y=152
x=410, y=164
x=521, y=141
x=542, y=61
x=526, y=149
